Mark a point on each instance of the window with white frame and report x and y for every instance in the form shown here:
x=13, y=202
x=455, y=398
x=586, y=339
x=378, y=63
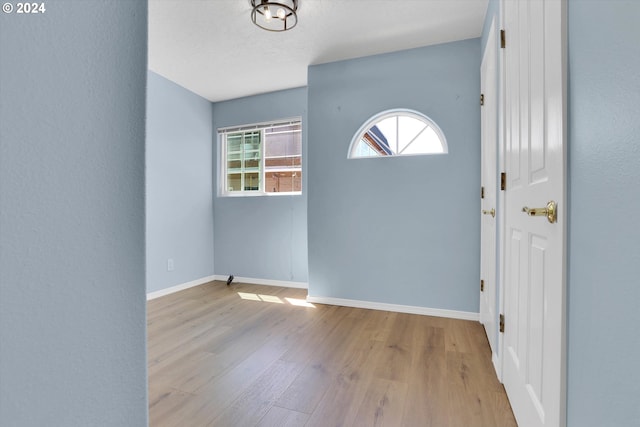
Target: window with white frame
x=398, y=132
x=261, y=159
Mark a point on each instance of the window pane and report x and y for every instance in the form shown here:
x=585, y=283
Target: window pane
x=283, y=162
x=234, y=142
x=283, y=159
x=234, y=182
x=388, y=128
x=408, y=129
x=285, y=143
x=253, y=163
x=252, y=181
x=283, y=182
x=363, y=149
x=427, y=142
x=234, y=161
x=234, y=165
x=252, y=141
x=396, y=133
x=252, y=155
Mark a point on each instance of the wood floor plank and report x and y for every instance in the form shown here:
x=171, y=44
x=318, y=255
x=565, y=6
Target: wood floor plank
x=458, y=339
x=180, y=347
x=395, y=361
x=280, y=417
x=249, y=408
x=340, y=403
x=219, y=393
x=427, y=402
x=161, y=407
x=465, y=402
x=383, y=404
x=302, y=397
x=247, y=355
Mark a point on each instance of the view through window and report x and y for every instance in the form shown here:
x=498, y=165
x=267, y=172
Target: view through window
x=398, y=133
x=262, y=158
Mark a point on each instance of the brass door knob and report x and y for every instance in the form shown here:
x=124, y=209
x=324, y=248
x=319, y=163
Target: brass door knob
x=491, y=212
x=550, y=211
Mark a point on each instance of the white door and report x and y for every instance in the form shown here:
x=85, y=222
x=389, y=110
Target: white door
x=489, y=116
x=534, y=298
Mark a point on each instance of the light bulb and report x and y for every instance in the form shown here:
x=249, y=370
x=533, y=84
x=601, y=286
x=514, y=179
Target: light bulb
x=281, y=13
x=267, y=13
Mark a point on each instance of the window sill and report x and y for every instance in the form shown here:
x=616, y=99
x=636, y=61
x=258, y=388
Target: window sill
x=257, y=194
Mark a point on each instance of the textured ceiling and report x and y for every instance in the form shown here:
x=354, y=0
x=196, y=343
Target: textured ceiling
x=212, y=48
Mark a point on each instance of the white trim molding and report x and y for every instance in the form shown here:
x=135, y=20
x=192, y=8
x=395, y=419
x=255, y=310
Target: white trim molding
x=425, y=311
x=495, y=359
x=267, y=282
x=181, y=287
x=248, y=280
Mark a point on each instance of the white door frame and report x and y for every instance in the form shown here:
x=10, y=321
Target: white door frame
x=500, y=196
x=490, y=90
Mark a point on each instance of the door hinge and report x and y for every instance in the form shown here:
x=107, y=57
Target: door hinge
x=482, y=99
x=503, y=39
x=481, y=285
x=482, y=192
x=502, y=323
x=503, y=181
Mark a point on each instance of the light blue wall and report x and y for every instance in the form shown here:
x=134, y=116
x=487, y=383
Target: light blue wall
x=263, y=237
x=72, y=291
x=400, y=230
x=179, y=200
x=604, y=217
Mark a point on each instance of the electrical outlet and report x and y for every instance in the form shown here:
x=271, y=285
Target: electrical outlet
x=170, y=264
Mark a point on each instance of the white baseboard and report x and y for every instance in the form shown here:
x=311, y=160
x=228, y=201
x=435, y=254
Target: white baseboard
x=438, y=312
x=267, y=282
x=496, y=365
x=181, y=287
x=464, y=315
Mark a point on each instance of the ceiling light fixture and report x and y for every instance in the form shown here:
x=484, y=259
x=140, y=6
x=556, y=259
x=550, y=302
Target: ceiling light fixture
x=275, y=15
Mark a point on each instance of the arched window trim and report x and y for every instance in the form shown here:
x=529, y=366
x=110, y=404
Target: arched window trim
x=391, y=113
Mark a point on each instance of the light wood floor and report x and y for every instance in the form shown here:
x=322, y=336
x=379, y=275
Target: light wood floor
x=247, y=355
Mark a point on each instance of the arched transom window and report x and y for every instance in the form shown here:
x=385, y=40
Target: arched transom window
x=398, y=132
